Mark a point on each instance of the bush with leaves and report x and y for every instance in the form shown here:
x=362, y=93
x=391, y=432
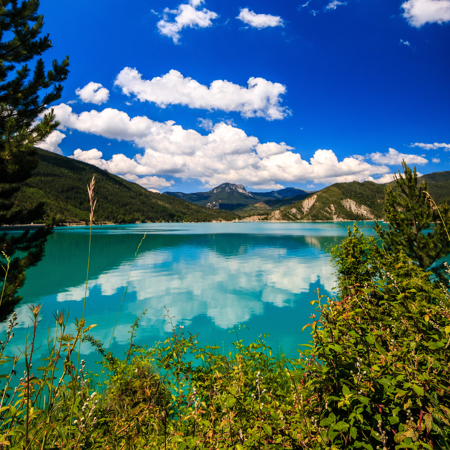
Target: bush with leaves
x=380, y=376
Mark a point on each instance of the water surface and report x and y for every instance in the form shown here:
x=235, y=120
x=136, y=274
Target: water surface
x=211, y=277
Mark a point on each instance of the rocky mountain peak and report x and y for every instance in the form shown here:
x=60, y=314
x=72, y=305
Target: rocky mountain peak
x=230, y=187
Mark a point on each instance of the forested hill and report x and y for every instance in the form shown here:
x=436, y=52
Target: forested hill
x=439, y=186
x=60, y=183
x=347, y=201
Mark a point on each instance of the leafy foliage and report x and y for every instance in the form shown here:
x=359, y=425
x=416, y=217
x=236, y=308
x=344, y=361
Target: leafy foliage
x=384, y=377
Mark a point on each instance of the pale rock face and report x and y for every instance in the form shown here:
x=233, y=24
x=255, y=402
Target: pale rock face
x=253, y=219
x=294, y=211
x=352, y=206
x=333, y=211
x=276, y=215
x=228, y=187
x=308, y=203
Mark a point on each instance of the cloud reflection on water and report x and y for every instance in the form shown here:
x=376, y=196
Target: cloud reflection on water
x=208, y=283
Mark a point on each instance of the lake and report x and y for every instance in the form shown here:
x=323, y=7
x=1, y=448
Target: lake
x=210, y=277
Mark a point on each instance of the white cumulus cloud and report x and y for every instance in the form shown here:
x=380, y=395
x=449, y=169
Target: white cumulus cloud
x=333, y=5
x=225, y=154
x=260, y=99
x=149, y=182
x=259, y=20
x=407, y=43
x=393, y=157
x=186, y=15
x=118, y=165
x=436, y=160
x=51, y=142
x=387, y=178
x=271, y=149
x=434, y=146
x=420, y=12
x=206, y=124
x=93, y=93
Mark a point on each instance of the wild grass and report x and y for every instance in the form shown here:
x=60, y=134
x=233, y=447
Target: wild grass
x=6, y=270
x=375, y=376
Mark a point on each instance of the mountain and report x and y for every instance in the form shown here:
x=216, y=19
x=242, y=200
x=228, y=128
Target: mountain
x=354, y=201
x=60, y=183
x=283, y=193
x=234, y=197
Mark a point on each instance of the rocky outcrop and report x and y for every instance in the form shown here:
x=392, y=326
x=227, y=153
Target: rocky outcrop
x=276, y=215
x=253, y=219
x=307, y=204
x=362, y=210
x=333, y=212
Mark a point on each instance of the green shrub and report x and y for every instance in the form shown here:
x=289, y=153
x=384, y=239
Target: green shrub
x=380, y=377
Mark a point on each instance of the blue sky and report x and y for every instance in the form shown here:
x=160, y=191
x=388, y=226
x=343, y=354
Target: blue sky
x=186, y=95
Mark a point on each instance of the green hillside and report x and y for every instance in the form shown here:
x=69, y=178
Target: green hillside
x=439, y=186
x=355, y=201
x=347, y=201
x=60, y=183
x=271, y=204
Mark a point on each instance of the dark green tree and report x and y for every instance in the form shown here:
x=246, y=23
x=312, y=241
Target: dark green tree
x=416, y=225
x=25, y=96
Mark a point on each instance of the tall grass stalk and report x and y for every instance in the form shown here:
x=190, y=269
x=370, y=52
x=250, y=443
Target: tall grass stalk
x=35, y=309
x=92, y=202
x=439, y=211
x=6, y=275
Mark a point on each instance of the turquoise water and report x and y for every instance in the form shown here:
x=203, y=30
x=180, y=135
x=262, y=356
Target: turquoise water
x=211, y=277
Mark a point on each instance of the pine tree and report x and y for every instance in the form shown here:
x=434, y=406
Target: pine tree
x=25, y=96
x=416, y=225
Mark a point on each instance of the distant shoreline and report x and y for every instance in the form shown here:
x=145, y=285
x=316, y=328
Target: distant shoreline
x=25, y=227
